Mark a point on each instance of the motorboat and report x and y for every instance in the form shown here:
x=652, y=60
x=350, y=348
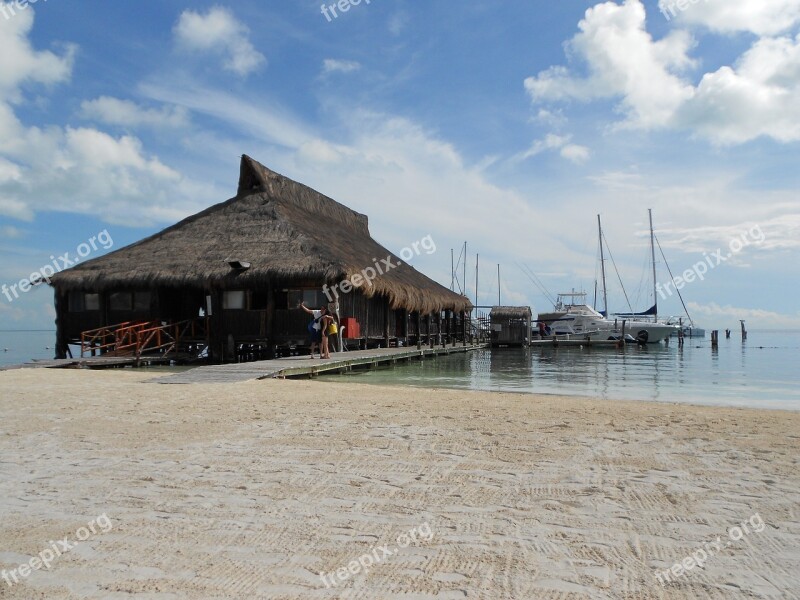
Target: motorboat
x=572, y=316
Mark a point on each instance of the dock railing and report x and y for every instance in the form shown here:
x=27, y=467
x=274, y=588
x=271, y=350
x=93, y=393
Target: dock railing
x=138, y=338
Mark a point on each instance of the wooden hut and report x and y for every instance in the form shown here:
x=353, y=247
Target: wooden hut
x=230, y=278
x=510, y=325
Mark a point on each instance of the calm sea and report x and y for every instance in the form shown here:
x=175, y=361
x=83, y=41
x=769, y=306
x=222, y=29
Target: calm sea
x=762, y=372
x=21, y=346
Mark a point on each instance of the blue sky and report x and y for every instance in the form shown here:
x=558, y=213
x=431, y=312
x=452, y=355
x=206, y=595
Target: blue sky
x=507, y=124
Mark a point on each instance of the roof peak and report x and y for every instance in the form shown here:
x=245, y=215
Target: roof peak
x=255, y=178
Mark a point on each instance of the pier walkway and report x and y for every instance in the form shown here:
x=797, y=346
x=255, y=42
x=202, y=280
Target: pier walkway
x=303, y=366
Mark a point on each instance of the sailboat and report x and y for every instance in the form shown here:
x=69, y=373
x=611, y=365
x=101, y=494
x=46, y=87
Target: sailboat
x=572, y=316
x=687, y=326
x=639, y=324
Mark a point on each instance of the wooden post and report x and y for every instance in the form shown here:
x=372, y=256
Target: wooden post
x=62, y=308
x=714, y=339
x=440, y=341
x=405, y=327
x=622, y=336
x=428, y=336
x=270, y=325
x=216, y=346
x=386, y=310
x=464, y=327
x=448, y=318
x=419, y=331
x=744, y=331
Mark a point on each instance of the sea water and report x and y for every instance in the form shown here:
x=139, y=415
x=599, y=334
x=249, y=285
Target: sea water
x=762, y=372
x=18, y=347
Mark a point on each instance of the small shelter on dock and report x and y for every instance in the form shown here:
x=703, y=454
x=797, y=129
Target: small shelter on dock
x=229, y=280
x=510, y=325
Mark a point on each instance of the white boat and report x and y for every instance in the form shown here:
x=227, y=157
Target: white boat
x=572, y=316
x=689, y=330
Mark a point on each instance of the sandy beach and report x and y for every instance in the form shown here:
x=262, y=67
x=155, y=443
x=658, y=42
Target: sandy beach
x=309, y=489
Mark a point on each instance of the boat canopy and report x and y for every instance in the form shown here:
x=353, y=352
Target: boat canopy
x=652, y=311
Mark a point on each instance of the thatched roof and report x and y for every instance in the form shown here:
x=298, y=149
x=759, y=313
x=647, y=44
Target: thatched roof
x=514, y=312
x=282, y=228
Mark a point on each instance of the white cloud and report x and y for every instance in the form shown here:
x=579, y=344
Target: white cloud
x=622, y=59
x=9, y=232
x=571, y=152
x=773, y=234
x=219, y=32
x=575, y=153
x=761, y=17
x=21, y=64
x=113, y=111
x=261, y=119
x=80, y=170
x=758, y=96
x=727, y=313
x=330, y=65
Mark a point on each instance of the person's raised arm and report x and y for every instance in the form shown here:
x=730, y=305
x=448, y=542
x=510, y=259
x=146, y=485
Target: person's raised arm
x=305, y=308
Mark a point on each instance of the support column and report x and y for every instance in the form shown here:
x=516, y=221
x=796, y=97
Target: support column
x=62, y=307
x=270, y=327
x=428, y=336
x=386, y=319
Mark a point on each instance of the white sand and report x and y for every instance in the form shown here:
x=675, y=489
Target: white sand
x=251, y=490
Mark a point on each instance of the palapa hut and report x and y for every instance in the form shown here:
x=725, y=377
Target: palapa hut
x=511, y=325
x=237, y=271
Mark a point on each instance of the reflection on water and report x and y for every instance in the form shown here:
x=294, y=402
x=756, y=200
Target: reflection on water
x=761, y=372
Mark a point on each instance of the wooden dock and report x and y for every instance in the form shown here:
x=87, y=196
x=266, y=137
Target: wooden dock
x=92, y=362
x=574, y=343
x=303, y=366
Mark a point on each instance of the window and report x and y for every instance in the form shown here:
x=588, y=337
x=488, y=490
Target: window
x=83, y=302
x=234, y=300
x=312, y=298
x=122, y=301
x=259, y=300
x=92, y=301
x=141, y=301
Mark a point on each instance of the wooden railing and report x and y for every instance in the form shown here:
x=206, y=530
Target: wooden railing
x=138, y=338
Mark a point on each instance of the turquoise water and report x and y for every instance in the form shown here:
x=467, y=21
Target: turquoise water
x=762, y=372
x=21, y=346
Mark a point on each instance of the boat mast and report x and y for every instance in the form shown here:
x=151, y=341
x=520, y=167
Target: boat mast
x=602, y=265
x=653, y=256
x=498, y=285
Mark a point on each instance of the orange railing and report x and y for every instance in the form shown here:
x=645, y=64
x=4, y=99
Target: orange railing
x=137, y=338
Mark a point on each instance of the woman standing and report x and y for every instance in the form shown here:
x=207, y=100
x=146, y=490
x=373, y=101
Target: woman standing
x=315, y=327
x=329, y=328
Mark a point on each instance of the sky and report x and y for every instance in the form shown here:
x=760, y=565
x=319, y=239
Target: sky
x=509, y=125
